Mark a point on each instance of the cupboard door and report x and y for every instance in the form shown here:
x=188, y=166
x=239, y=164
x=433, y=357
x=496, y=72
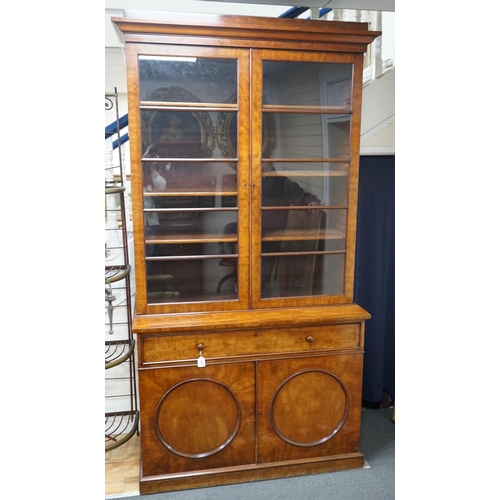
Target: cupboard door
x=305, y=169
x=194, y=418
x=308, y=407
x=190, y=177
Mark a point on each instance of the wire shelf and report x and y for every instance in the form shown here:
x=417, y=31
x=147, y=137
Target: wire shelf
x=114, y=188
x=121, y=425
x=118, y=351
x=119, y=428
x=116, y=273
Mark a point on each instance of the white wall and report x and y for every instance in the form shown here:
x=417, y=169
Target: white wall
x=378, y=115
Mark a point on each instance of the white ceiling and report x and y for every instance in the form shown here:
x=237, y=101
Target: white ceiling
x=385, y=5
x=265, y=8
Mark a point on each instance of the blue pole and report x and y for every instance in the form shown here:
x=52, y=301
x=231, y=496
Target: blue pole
x=113, y=129
x=294, y=12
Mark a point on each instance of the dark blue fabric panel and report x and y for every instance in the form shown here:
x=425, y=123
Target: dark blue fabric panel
x=374, y=279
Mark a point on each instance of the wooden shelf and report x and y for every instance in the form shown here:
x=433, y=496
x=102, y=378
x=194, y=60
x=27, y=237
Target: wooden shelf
x=280, y=108
x=189, y=192
x=190, y=238
x=304, y=173
x=273, y=235
x=302, y=235
x=187, y=106
x=341, y=159
x=164, y=297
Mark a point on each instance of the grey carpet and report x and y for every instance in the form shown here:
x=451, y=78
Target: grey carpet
x=374, y=482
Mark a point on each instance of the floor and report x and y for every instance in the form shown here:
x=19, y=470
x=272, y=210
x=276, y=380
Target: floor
x=122, y=469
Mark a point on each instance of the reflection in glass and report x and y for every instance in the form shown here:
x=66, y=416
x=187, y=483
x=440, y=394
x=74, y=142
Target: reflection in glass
x=303, y=275
x=196, y=227
x=189, y=280
x=212, y=80
x=325, y=229
x=283, y=183
x=187, y=206
x=281, y=191
x=190, y=198
x=338, y=136
x=185, y=216
x=178, y=134
x=302, y=135
x=175, y=178
x=229, y=249
x=309, y=241
x=303, y=232
x=194, y=265
x=276, y=226
x=305, y=191
x=307, y=83
x=227, y=134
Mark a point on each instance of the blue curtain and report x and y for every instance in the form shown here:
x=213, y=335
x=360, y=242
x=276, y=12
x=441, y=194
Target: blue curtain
x=374, y=279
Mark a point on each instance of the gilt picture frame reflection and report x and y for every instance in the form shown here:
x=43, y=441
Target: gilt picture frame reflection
x=176, y=133
x=227, y=133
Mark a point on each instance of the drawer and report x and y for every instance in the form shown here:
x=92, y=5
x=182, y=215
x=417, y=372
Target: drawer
x=159, y=348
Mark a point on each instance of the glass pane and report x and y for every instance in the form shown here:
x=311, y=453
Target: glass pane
x=303, y=275
x=214, y=183
x=189, y=127
x=205, y=80
x=192, y=256
x=303, y=230
x=190, y=214
x=316, y=238
x=297, y=135
x=187, y=134
x=307, y=83
x=306, y=112
x=338, y=137
x=326, y=182
x=227, y=134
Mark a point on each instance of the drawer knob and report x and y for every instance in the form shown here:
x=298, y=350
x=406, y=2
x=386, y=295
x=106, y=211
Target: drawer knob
x=201, y=362
x=309, y=339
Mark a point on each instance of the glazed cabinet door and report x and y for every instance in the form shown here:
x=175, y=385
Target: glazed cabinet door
x=309, y=407
x=189, y=113
x=194, y=418
x=304, y=174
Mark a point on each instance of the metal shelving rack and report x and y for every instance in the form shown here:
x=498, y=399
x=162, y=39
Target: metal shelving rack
x=122, y=424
